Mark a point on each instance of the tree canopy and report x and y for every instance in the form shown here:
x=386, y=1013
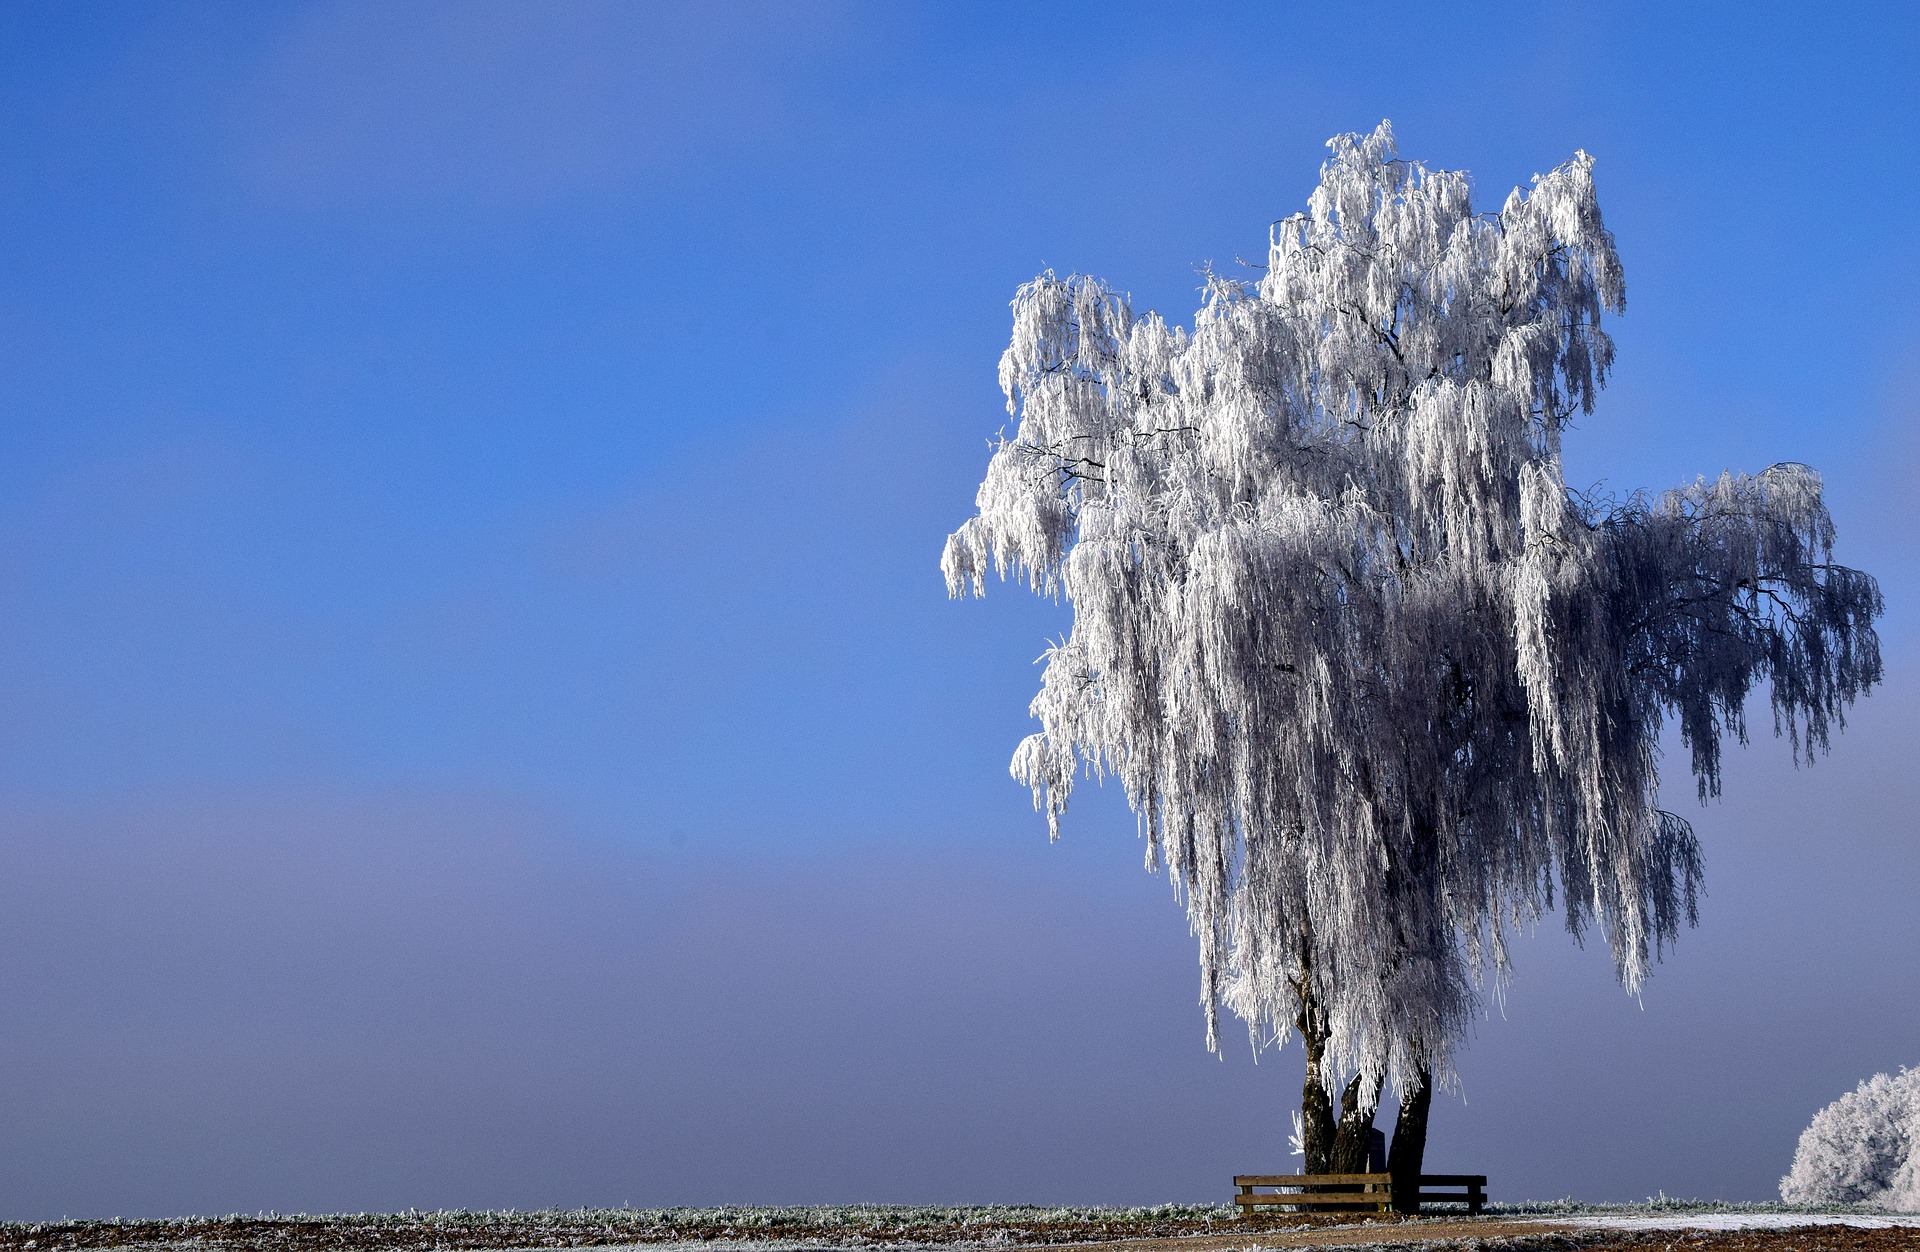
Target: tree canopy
x=1379, y=686
x=1864, y=1148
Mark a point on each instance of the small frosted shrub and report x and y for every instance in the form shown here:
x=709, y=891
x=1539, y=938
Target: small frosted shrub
x=1864, y=1148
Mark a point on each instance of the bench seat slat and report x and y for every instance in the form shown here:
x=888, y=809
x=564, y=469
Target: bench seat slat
x=1315, y=1201
x=1311, y=1197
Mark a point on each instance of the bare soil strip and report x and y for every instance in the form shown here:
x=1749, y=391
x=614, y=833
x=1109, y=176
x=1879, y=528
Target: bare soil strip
x=1415, y=1230
x=1339, y=1235
x=1522, y=1235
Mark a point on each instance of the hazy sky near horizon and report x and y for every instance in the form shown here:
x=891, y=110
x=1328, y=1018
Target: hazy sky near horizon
x=480, y=721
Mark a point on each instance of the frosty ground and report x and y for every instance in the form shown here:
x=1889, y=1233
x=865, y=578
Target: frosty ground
x=1166, y=1228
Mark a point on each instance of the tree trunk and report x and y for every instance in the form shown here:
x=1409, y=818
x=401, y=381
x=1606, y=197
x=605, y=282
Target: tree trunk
x=1316, y=1108
x=1409, y=1151
x=1355, y=1133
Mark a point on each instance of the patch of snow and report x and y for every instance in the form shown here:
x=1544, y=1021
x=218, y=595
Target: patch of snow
x=1749, y=1221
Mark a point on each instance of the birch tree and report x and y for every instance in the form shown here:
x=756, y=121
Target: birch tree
x=1378, y=685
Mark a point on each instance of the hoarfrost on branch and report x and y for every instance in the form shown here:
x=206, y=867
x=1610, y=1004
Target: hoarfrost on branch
x=1864, y=1148
x=1376, y=682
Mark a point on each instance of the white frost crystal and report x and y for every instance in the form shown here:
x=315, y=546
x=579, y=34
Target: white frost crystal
x=1864, y=1148
x=1375, y=681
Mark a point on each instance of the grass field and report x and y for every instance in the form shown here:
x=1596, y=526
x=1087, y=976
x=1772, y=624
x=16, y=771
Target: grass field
x=1203, y=1228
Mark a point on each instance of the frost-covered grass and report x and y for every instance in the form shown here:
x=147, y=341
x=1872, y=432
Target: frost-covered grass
x=851, y=1216
x=952, y=1228
x=858, y=1225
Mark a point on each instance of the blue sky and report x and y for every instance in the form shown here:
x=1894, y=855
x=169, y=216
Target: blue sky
x=480, y=721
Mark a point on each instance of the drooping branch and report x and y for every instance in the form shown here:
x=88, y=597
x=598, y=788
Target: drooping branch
x=1377, y=684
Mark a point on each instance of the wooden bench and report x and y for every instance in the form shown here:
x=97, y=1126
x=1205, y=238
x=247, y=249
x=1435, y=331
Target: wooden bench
x=1356, y=1192
x=1316, y=1191
x=1472, y=1191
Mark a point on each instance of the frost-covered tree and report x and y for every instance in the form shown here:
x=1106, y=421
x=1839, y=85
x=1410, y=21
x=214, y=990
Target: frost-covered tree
x=1864, y=1148
x=1378, y=685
